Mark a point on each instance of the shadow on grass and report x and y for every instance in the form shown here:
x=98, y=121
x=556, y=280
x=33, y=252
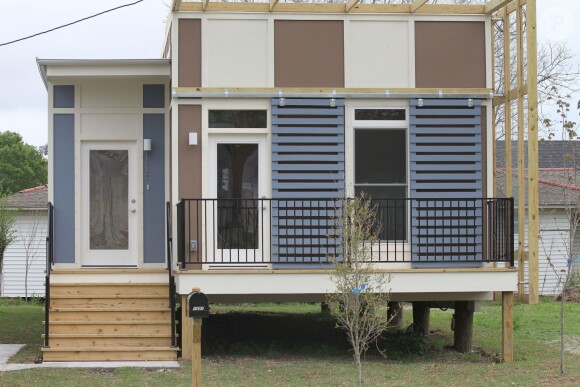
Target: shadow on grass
x=310, y=335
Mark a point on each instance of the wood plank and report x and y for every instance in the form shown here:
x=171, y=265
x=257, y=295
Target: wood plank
x=109, y=271
x=533, y=199
x=507, y=342
x=511, y=7
x=186, y=331
x=128, y=316
x=273, y=4
x=417, y=4
x=110, y=291
x=330, y=8
x=494, y=5
x=317, y=90
x=521, y=165
x=196, y=353
x=350, y=4
x=110, y=327
x=204, y=5
x=110, y=303
x=110, y=354
x=507, y=107
x=109, y=341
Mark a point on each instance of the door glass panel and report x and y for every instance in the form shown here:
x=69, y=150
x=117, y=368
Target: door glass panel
x=237, y=194
x=109, y=200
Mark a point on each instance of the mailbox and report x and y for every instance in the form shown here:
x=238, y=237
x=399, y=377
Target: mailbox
x=197, y=305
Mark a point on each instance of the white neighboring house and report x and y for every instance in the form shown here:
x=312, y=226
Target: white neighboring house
x=559, y=191
x=28, y=252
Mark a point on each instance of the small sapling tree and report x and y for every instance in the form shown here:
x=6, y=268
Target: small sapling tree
x=359, y=302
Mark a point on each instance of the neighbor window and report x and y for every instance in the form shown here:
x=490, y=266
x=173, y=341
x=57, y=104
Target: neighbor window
x=238, y=119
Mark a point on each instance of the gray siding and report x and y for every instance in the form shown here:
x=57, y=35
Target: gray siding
x=307, y=164
x=64, y=188
x=446, y=165
x=154, y=190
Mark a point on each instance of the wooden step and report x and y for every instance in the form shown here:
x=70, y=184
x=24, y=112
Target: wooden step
x=109, y=289
x=108, y=354
x=109, y=314
x=151, y=327
x=101, y=341
x=116, y=302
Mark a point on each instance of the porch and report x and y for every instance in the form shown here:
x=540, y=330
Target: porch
x=279, y=234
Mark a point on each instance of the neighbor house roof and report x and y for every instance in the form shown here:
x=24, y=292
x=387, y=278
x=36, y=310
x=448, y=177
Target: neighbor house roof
x=558, y=187
x=551, y=153
x=35, y=198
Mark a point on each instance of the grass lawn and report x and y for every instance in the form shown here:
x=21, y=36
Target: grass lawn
x=295, y=345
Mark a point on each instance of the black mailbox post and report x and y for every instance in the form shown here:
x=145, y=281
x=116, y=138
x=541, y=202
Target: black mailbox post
x=197, y=305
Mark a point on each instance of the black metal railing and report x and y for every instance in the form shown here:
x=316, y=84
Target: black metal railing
x=305, y=231
x=170, y=273
x=49, y=262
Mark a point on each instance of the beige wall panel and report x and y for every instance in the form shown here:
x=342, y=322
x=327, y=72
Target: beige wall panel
x=450, y=54
x=189, y=48
x=382, y=63
x=109, y=126
x=189, y=160
x=309, y=53
x=109, y=94
x=237, y=53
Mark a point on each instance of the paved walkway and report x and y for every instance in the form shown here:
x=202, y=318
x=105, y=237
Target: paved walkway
x=9, y=350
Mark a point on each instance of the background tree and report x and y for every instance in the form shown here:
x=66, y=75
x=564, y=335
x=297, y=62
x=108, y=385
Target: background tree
x=21, y=165
x=361, y=297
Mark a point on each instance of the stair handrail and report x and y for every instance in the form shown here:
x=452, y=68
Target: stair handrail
x=171, y=275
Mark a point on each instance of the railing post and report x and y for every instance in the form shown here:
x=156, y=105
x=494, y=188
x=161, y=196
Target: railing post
x=49, y=259
x=181, y=233
x=170, y=273
x=511, y=232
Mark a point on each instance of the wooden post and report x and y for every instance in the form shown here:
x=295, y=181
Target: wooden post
x=421, y=316
x=324, y=308
x=395, y=314
x=533, y=200
x=521, y=149
x=463, y=326
x=196, y=353
x=507, y=342
x=507, y=103
x=186, y=331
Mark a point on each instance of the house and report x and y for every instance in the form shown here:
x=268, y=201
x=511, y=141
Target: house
x=25, y=259
x=559, y=196
x=221, y=166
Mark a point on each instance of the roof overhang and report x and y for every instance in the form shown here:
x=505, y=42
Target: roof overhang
x=95, y=68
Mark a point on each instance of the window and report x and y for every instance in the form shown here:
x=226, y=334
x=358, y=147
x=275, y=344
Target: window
x=380, y=166
x=238, y=119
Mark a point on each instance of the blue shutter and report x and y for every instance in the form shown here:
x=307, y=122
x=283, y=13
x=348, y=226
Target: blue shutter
x=307, y=178
x=446, y=166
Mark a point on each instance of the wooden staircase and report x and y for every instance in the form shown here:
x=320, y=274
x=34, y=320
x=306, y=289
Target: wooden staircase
x=109, y=322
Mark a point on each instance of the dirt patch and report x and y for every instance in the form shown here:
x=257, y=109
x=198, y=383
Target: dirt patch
x=571, y=344
x=572, y=294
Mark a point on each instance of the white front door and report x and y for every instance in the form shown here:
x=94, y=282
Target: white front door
x=240, y=217
x=109, y=204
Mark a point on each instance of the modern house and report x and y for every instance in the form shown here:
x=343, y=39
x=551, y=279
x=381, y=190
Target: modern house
x=25, y=258
x=222, y=166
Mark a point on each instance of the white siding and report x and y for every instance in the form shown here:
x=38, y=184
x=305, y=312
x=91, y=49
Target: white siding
x=31, y=230
x=379, y=54
x=554, y=245
x=237, y=59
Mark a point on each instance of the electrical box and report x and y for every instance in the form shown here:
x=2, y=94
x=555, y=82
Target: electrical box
x=192, y=245
x=197, y=305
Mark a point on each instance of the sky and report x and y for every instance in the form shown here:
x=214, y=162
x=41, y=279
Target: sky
x=133, y=32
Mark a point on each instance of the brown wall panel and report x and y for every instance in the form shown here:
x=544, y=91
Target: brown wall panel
x=189, y=159
x=308, y=53
x=189, y=46
x=450, y=54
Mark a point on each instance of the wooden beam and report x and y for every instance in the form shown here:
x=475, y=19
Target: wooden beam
x=533, y=199
x=273, y=4
x=493, y=110
x=521, y=164
x=176, y=5
x=436, y=9
x=511, y=7
x=186, y=331
x=316, y=90
x=507, y=318
x=204, y=5
x=350, y=4
x=416, y=4
x=508, y=106
x=494, y=5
